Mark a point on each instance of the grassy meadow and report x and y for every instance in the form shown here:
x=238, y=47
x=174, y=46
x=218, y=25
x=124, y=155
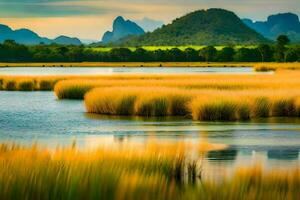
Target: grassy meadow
x=149, y=171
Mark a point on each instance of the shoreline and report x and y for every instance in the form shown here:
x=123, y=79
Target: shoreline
x=128, y=64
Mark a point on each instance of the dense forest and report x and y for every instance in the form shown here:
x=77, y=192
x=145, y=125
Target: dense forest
x=11, y=51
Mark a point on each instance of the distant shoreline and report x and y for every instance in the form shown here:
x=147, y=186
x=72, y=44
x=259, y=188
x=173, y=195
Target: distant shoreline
x=130, y=64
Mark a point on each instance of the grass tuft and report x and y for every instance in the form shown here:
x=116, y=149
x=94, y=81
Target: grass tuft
x=10, y=85
x=26, y=85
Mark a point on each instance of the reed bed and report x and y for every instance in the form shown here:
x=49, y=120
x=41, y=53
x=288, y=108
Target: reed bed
x=76, y=88
x=191, y=81
x=154, y=171
x=204, y=105
x=262, y=67
x=28, y=83
x=143, y=101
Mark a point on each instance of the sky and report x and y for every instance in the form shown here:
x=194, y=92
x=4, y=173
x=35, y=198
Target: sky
x=89, y=19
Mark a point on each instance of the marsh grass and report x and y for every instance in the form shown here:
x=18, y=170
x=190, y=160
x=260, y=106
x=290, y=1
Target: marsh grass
x=203, y=105
x=142, y=101
x=10, y=85
x=279, y=80
x=26, y=85
x=214, y=110
x=46, y=85
x=264, y=67
x=151, y=171
x=261, y=107
x=284, y=107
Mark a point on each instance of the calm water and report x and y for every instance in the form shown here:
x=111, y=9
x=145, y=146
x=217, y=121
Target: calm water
x=120, y=70
x=38, y=116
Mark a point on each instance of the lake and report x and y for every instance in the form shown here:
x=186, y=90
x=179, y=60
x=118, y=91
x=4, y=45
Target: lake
x=27, y=117
x=122, y=70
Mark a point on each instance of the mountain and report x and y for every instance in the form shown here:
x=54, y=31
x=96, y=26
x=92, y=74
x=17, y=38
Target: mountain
x=67, y=40
x=121, y=29
x=149, y=24
x=283, y=23
x=203, y=27
x=22, y=36
x=28, y=37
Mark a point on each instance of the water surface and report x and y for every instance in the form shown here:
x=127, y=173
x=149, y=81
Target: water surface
x=38, y=116
x=121, y=70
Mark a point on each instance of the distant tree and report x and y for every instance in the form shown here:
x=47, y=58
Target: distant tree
x=191, y=55
x=75, y=54
x=282, y=41
x=120, y=55
x=160, y=55
x=226, y=54
x=14, y=52
x=175, y=55
x=141, y=55
x=266, y=52
x=247, y=55
x=209, y=53
x=292, y=55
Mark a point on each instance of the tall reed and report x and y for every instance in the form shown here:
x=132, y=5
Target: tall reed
x=204, y=105
x=151, y=171
x=138, y=101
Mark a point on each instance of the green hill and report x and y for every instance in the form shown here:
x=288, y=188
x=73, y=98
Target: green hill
x=203, y=27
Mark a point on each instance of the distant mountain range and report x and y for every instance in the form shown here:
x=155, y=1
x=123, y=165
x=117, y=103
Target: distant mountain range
x=203, y=27
x=121, y=29
x=283, y=23
x=28, y=37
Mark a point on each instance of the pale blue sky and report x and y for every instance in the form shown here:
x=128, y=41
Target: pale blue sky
x=90, y=18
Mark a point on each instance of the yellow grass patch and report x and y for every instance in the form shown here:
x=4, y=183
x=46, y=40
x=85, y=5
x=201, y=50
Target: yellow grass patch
x=151, y=171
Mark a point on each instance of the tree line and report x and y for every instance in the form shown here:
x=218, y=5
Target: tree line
x=11, y=51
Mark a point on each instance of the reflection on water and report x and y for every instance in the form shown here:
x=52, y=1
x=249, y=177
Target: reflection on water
x=38, y=116
x=283, y=154
x=122, y=70
x=226, y=155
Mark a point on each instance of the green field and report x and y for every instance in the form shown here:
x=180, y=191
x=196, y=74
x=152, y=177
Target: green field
x=153, y=48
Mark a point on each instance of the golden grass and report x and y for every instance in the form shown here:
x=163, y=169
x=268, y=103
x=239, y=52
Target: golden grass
x=150, y=171
x=204, y=105
x=143, y=101
x=76, y=88
x=28, y=83
x=276, y=66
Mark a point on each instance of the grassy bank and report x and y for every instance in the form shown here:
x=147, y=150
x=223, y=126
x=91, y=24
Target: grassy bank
x=204, y=105
x=128, y=64
x=153, y=171
x=267, y=66
x=276, y=66
x=76, y=88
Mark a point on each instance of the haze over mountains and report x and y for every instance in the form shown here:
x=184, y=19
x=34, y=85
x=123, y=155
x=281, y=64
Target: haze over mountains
x=149, y=24
x=202, y=27
x=28, y=37
x=283, y=23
